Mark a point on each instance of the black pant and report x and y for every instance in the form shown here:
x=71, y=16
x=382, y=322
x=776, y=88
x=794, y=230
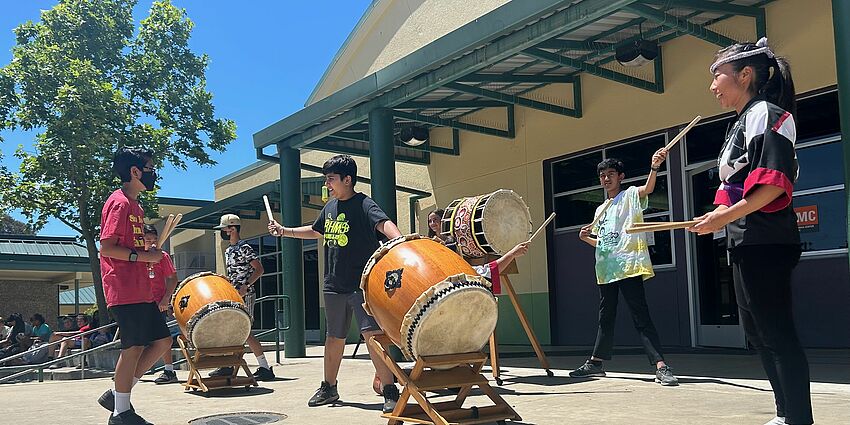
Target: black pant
x=762, y=275
x=635, y=297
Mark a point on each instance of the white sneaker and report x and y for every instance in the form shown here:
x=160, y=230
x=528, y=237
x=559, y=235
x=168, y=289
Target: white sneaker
x=776, y=421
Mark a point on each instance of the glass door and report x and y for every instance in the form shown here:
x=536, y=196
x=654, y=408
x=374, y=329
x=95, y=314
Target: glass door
x=716, y=309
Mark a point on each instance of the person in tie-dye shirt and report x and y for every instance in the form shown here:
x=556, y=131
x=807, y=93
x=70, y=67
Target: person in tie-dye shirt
x=622, y=264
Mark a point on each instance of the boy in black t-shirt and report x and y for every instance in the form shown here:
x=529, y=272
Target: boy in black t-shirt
x=349, y=223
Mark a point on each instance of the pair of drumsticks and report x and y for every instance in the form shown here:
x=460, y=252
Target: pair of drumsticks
x=170, y=223
x=654, y=227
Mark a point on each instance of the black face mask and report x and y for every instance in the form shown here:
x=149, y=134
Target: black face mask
x=224, y=235
x=148, y=179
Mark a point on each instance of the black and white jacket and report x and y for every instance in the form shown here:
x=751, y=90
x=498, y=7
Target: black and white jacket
x=759, y=149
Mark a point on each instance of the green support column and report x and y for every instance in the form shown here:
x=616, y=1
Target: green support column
x=382, y=160
x=382, y=168
x=841, y=27
x=292, y=260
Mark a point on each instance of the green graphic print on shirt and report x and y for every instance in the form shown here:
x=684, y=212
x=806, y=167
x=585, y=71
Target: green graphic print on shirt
x=620, y=255
x=336, y=230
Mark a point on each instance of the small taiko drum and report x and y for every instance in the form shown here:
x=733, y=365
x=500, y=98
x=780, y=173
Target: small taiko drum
x=487, y=224
x=427, y=299
x=210, y=312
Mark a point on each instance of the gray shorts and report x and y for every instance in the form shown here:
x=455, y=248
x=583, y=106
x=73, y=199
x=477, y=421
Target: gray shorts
x=338, y=311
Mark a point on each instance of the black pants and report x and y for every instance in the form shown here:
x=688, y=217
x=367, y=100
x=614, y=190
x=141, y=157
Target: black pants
x=762, y=275
x=635, y=297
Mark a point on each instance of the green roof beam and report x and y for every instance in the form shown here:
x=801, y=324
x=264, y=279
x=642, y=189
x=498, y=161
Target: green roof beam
x=513, y=78
x=442, y=122
x=559, y=44
x=324, y=146
x=680, y=24
x=516, y=100
x=709, y=6
x=444, y=104
x=596, y=70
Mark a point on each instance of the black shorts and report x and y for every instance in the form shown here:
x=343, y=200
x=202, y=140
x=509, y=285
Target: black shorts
x=139, y=324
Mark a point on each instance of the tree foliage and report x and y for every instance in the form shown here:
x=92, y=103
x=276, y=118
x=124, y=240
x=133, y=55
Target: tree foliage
x=89, y=83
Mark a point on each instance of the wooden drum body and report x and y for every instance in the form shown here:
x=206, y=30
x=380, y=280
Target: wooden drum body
x=210, y=311
x=427, y=299
x=487, y=224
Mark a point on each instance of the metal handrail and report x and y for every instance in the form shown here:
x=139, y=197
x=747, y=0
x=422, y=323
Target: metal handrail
x=25, y=369
x=50, y=344
x=39, y=368
x=277, y=327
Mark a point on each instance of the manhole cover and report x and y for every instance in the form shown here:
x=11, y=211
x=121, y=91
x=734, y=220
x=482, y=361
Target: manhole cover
x=239, y=418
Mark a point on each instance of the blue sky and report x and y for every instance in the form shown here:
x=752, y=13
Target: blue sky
x=265, y=58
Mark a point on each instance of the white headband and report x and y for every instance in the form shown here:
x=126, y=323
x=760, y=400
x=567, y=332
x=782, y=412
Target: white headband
x=761, y=47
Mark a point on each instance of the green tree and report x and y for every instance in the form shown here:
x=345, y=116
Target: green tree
x=9, y=225
x=89, y=83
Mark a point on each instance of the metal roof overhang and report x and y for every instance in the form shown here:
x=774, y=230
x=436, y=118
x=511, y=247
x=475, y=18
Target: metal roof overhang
x=498, y=61
x=249, y=204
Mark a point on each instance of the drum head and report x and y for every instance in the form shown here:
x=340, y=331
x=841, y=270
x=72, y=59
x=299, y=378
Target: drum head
x=221, y=327
x=459, y=323
x=506, y=221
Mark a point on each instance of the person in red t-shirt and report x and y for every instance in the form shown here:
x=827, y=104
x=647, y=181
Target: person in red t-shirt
x=126, y=285
x=78, y=342
x=163, y=278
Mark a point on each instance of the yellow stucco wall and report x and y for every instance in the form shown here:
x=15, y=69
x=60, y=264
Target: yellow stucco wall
x=393, y=29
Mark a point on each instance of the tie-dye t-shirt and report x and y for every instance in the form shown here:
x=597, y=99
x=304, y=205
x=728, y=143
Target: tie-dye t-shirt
x=620, y=255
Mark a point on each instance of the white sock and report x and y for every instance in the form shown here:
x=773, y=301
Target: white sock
x=169, y=367
x=262, y=361
x=776, y=421
x=122, y=403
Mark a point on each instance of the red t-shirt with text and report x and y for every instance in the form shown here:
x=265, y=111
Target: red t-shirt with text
x=124, y=282
x=161, y=270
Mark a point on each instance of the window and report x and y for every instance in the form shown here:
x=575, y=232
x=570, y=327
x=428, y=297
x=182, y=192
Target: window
x=577, y=193
x=819, y=199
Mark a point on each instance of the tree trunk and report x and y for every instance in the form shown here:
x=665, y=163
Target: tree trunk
x=94, y=262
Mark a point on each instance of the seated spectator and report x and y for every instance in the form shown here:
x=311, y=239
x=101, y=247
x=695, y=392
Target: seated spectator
x=11, y=345
x=67, y=324
x=4, y=330
x=40, y=330
x=100, y=337
x=79, y=342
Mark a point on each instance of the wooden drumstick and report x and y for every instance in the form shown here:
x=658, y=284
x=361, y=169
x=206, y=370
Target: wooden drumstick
x=596, y=219
x=551, y=217
x=682, y=133
x=165, y=227
x=662, y=226
x=169, y=227
x=268, y=207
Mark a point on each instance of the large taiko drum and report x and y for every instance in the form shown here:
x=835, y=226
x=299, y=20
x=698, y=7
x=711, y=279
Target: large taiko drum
x=487, y=224
x=427, y=299
x=210, y=312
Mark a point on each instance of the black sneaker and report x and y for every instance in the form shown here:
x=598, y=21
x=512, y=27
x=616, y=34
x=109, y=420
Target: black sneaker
x=390, y=398
x=264, y=374
x=222, y=371
x=167, y=377
x=325, y=394
x=588, y=369
x=664, y=376
x=128, y=417
x=107, y=400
